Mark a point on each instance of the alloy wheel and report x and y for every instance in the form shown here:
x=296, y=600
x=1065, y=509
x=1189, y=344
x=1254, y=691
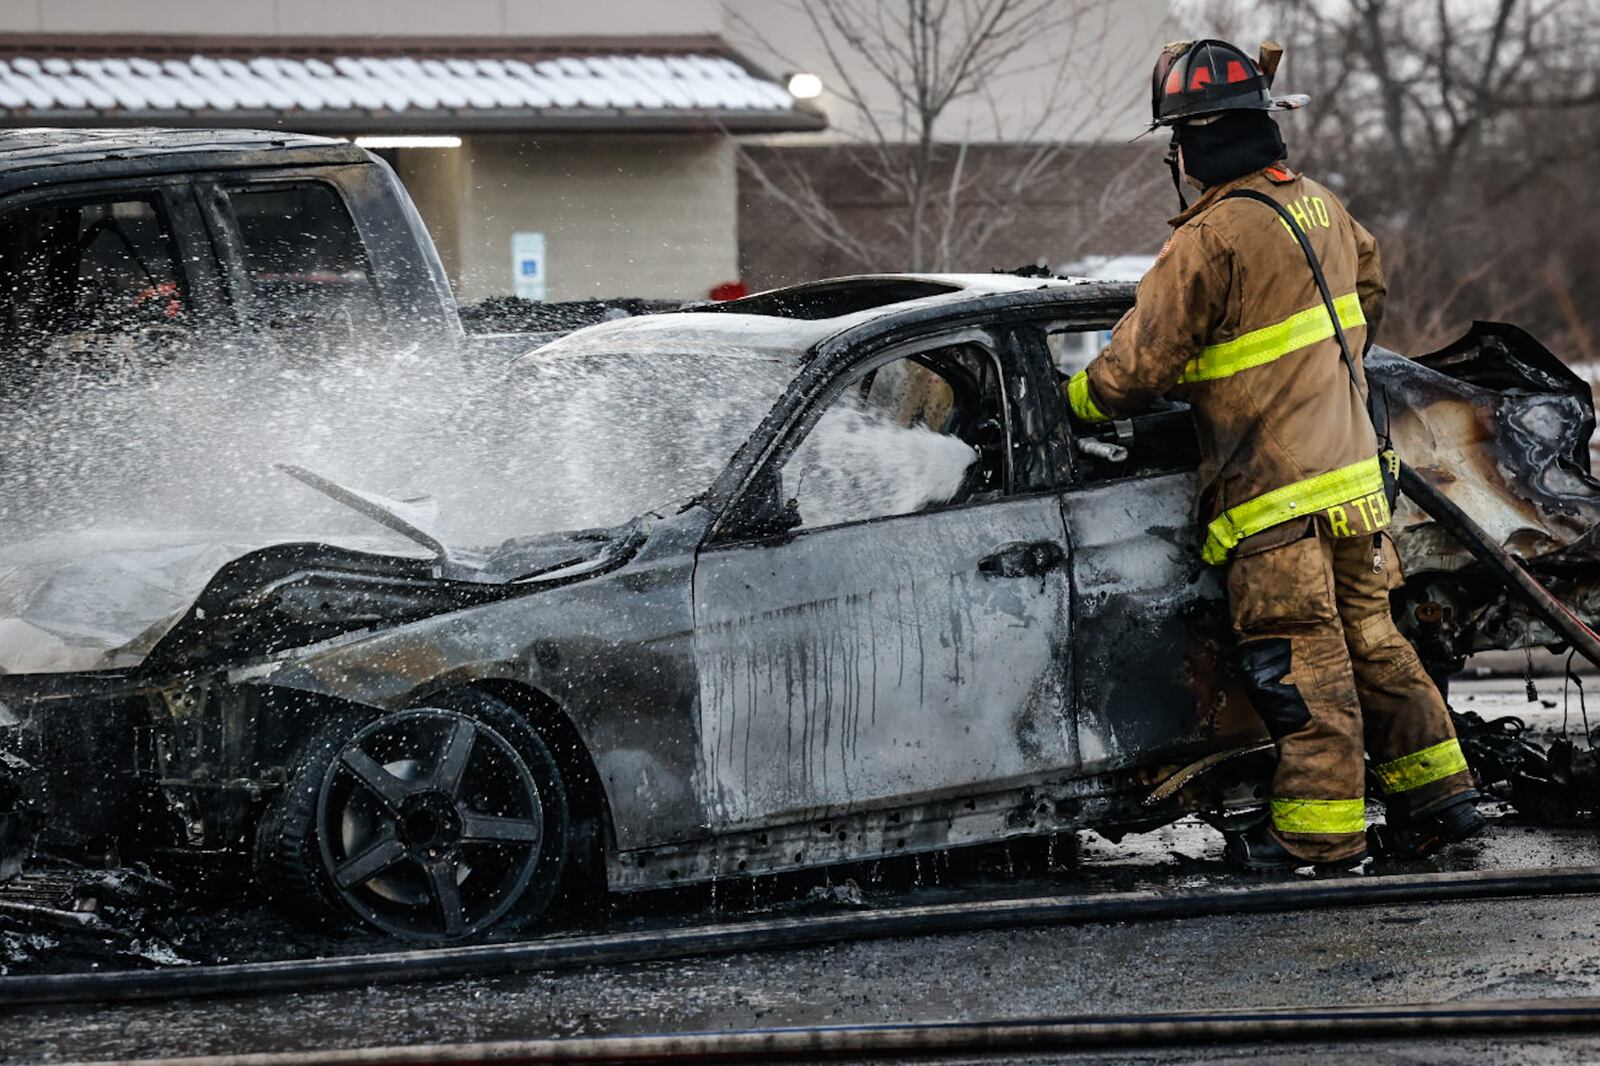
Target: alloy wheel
x=429, y=824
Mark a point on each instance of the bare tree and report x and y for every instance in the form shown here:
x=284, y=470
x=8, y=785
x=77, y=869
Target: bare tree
x=899, y=70
x=1450, y=79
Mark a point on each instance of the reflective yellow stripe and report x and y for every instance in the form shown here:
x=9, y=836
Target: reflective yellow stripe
x=1273, y=342
x=1082, y=403
x=1319, y=816
x=1422, y=767
x=1292, y=501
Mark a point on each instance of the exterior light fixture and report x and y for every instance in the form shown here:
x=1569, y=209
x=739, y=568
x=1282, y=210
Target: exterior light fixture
x=409, y=142
x=805, y=86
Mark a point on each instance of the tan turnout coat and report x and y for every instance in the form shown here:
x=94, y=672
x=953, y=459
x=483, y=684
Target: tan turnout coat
x=1230, y=319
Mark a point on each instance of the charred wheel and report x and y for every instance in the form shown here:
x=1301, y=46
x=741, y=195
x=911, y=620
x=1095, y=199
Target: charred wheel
x=432, y=823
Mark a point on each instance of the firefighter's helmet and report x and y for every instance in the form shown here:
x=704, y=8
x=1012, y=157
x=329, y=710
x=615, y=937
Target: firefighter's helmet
x=1193, y=79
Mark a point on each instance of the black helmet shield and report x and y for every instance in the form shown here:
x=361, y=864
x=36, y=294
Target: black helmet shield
x=1195, y=78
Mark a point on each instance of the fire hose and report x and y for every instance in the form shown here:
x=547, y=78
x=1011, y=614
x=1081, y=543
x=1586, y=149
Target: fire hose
x=1028, y=1035
x=557, y=953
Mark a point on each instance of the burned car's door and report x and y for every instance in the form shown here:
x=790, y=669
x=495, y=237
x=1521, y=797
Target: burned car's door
x=907, y=635
x=1149, y=617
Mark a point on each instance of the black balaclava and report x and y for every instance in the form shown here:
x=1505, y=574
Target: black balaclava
x=1236, y=144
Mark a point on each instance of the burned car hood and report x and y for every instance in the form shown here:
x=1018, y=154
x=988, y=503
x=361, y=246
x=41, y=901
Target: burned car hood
x=165, y=601
x=103, y=600
x=1501, y=427
x=294, y=595
x=106, y=599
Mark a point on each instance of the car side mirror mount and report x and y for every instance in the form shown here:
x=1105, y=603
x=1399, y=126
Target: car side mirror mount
x=774, y=520
x=758, y=513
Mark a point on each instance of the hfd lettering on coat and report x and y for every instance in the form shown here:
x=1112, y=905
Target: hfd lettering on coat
x=1308, y=212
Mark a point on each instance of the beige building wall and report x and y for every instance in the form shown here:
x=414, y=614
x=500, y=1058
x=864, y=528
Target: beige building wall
x=437, y=178
x=654, y=216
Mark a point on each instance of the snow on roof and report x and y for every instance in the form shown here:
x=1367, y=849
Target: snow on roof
x=431, y=90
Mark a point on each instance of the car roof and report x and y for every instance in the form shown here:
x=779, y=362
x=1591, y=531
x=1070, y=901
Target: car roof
x=760, y=322
x=34, y=156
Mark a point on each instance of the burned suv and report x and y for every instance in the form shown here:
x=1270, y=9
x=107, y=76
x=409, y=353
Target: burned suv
x=885, y=602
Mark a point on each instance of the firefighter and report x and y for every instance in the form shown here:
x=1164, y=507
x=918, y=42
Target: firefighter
x=1291, y=492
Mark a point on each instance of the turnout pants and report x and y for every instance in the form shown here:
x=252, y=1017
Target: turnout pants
x=1333, y=679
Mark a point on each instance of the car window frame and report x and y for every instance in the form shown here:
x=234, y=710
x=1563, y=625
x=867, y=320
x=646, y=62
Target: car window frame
x=1074, y=470
x=198, y=262
x=413, y=290
x=222, y=218
x=760, y=497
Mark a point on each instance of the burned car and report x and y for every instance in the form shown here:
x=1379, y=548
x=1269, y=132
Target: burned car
x=904, y=608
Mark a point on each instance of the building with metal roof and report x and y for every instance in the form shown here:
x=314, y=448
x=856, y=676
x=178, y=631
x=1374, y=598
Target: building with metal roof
x=388, y=84
x=613, y=147
x=590, y=161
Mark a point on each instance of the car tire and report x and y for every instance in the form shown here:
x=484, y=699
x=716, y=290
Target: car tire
x=304, y=839
x=285, y=860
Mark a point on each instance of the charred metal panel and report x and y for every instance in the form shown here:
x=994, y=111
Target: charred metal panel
x=613, y=653
x=1502, y=428
x=1036, y=413
x=853, y=665
x=1151, y=627
x=82, y=777
x=976, y=817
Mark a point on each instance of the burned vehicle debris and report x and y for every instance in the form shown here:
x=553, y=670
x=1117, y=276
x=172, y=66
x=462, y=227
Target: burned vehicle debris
x=906, y=609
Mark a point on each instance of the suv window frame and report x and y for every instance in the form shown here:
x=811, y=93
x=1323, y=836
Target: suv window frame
x=198, y=266
x=223, y=220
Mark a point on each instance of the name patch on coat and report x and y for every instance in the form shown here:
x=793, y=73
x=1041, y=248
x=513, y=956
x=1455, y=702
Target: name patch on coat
x=1360, y=517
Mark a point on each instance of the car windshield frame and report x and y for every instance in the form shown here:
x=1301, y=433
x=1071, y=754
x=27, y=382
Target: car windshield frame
x=786, y=363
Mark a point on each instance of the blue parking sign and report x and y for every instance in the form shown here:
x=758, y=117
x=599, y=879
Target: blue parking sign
x=528, y=265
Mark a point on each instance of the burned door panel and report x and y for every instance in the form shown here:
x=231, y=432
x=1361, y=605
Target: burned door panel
x=1151, y=626
x=882, y=661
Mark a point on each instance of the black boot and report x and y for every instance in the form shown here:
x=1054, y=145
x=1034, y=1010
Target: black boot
x=1416, y=838
x=1258, y=850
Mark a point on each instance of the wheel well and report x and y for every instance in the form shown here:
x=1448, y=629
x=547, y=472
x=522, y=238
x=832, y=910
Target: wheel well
x=586, y=795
